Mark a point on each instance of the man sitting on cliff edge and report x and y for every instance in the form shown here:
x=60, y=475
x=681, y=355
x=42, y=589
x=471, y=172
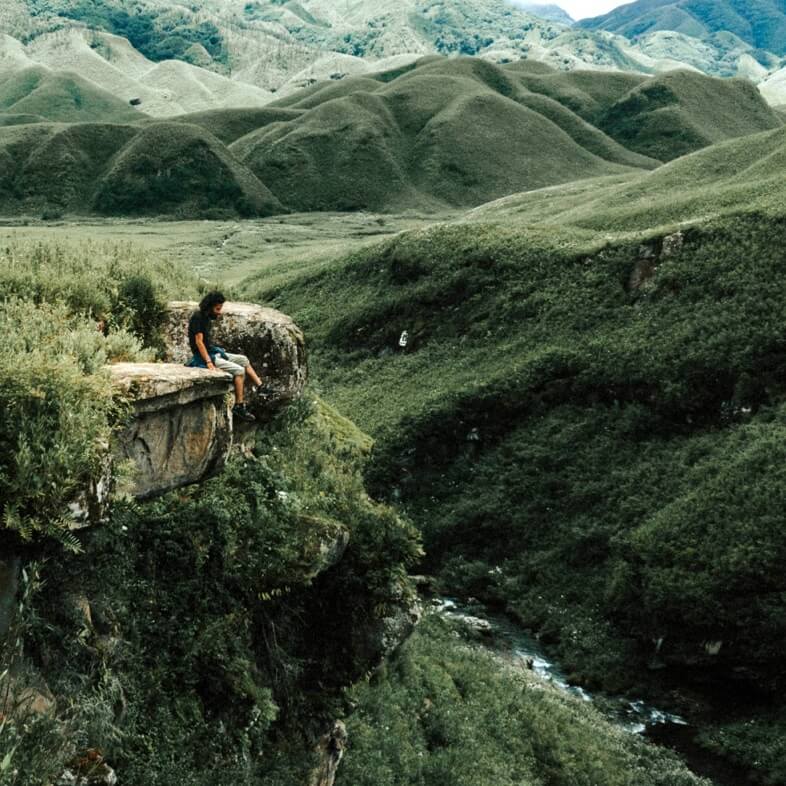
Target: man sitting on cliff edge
x=211, y=357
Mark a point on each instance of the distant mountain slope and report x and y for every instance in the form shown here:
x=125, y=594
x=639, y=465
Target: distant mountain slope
x=673, y=114
x=162, y=89
x=551, y=12
x=761, y=23
x=62, y=97
x=160, y=169
x=448, y=132
x=282, y=46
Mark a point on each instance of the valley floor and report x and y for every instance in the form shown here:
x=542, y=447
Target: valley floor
x=230, y=251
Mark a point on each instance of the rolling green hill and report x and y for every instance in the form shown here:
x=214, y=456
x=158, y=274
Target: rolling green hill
x=160, y=169
x=761, y=23
x=61, y=97
x=676, y=113
x=177, y=168
x=440, y=133
x=447, y=132
x=737, y=176
x=229, y=125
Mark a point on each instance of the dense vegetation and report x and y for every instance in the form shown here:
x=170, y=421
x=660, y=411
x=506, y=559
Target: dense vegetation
x=444, y=711
x=57, y=406
x=588, y=431
x=206, y=655
x=175, y=634
x=156, y=33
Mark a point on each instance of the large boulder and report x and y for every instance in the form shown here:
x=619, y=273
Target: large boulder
x=273, y=343
x=180, y=430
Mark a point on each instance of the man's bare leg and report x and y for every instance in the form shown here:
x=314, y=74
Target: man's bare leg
x=253, y=376
x=238, y=380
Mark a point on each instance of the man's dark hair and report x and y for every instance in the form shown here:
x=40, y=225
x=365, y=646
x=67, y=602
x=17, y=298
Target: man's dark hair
x=209, y=300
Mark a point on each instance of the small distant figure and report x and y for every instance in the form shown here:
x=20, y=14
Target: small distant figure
x=135, y=102
x=207, y=355
x=404, y=339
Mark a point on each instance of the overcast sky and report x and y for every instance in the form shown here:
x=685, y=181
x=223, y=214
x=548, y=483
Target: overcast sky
x=578, y=9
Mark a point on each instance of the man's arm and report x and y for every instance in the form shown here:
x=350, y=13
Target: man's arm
x=199, y=338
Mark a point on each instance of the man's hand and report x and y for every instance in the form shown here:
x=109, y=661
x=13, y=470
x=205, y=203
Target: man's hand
x=211, y=366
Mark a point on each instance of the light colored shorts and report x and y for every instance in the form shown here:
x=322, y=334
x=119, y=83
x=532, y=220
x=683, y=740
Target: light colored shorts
x=234, y=364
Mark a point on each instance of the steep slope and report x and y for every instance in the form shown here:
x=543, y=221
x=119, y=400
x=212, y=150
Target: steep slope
x=761, y=24
x=61, y=97
x=676, y=113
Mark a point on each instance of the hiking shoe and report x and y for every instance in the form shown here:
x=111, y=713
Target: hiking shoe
x=241, y=412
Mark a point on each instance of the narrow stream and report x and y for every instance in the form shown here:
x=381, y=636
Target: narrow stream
x=634, y=715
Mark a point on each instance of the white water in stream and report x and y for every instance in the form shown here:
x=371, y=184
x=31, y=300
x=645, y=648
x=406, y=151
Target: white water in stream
x=633, y=715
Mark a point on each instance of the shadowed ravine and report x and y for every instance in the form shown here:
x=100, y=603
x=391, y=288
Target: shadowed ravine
x=504, y=637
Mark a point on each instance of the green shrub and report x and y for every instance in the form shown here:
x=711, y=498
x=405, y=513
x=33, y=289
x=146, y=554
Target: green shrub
x=56, y=411
x=141, y=308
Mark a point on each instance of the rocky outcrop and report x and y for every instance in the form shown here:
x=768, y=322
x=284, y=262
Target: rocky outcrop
x=180, y=430
x=273, y=343
x=330, y=752
x=651, y=255
x=380, y=638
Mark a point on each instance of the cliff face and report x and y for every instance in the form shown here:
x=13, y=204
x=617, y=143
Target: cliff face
x=229, y=600
x=181, y=428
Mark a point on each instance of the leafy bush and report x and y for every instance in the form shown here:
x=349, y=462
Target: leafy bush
x=56, y=409
x=57, y=406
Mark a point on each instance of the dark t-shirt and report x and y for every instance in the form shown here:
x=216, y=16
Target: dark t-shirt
x=199, y=323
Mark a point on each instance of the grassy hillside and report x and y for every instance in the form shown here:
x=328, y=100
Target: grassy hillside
x=61, y=97
x=738, y=176
x=444, y=711
x=761, y=24
x=586, y=421
x=447, y=132
x=437, y=134
x=229, y=125
x=679, y=112
x=160, y=169
x=177, y=168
